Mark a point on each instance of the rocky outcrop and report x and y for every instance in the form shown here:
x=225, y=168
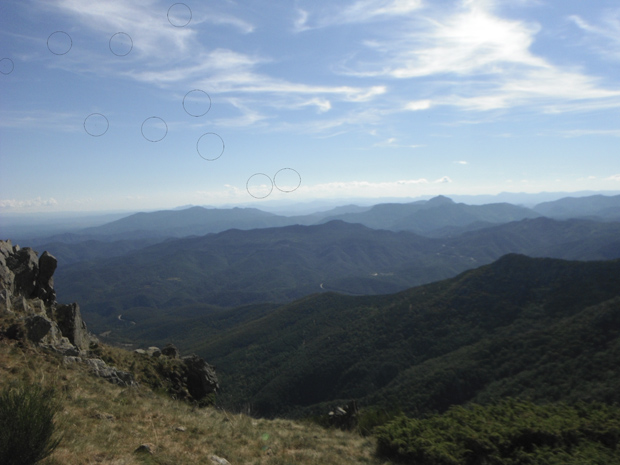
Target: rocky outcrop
x=201, y=378
x=189, y=378
x=28, y=299
x=29, y=312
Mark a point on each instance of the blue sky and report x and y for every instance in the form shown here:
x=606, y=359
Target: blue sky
x=127, y=104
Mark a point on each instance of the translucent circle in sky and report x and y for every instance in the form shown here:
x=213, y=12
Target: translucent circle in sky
x=179, y=15
x=287, y=180
x=96, y=124
x=59, y=43
x=6, y=66
x=196, y=103
x=121, y=44
x=259, y=186
x=210, y=146
x=154, y=129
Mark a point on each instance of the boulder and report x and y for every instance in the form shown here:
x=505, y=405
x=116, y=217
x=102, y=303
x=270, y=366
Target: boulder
x=24, y=265
x=153, y=352
x=100, y=368
x=44, y=288
x=5, y=302
x=147, y=448
x=6, y=275
x=69, y=320
x=201, y=378
x=38, y=327
x=219, y=460
x=170, y=351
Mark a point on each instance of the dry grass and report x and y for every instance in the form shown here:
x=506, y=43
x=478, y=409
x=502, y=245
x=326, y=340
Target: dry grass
x=103, y=424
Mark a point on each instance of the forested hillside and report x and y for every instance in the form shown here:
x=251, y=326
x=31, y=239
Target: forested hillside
x=542, y=329
x=279, y=265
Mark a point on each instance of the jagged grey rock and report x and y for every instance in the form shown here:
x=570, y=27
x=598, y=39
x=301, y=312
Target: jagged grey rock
x=26, y=286
x=45, y=282
x=69, y=320
x=38, y=327
x=219, y=460
x=101, y=369
x=147, y=448
x=170, y=351
x=153, y=351
x=5, y=301
x=201, y=378
x=25, y=267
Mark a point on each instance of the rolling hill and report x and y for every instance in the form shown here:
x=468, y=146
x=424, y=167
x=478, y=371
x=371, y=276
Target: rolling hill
x=424, y=217
x=536, y=328
x=236, y=267
x=594, y=206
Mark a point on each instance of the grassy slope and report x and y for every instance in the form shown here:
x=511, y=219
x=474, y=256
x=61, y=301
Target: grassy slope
x=103, y=423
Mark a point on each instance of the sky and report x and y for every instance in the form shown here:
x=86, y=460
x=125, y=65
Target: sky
x=149, y=104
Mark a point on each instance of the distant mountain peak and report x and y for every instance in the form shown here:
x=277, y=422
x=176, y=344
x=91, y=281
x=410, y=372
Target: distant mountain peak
x=440, y=200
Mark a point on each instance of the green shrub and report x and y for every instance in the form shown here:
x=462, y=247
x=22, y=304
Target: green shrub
x=371, y=417
x=508, y=433
x=27, y=429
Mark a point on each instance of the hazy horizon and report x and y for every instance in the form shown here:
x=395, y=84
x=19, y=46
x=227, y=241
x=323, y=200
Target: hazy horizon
x=138, y=106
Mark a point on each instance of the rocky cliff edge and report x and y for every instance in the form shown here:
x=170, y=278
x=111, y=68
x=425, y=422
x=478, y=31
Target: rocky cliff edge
x=30, y=313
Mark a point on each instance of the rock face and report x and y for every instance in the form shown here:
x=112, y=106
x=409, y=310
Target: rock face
x=27, y=295
x=201, y=378
x=29, y=312
x=189, y=378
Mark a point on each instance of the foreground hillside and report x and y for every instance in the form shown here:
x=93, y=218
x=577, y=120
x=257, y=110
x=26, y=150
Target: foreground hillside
x=104, y=423
x=112, y=406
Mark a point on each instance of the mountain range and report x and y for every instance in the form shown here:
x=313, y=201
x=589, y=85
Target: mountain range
x=238, y=267
x=439, y=216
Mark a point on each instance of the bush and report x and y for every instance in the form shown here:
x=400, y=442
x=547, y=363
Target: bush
x=510, y=432
x=27, y=429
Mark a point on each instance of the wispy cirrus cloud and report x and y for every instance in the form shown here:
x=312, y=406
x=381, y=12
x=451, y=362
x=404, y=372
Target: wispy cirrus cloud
x=393, y=143
x=604, y=35
x=359, y=11
x=491, y=56
x=591, y=132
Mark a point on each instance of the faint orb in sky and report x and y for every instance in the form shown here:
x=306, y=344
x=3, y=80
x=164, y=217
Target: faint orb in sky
x=259, y=186
x=197, y=103
x=6, y=66
x=59, y=43
x=154, y=129
x=179, y=15
x=96, y=124
x=121, y=44
x=210, y=146
x=287, y=180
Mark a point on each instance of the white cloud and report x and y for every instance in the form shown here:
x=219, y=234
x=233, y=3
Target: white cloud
x=592, y=132
x=417, y=105
x=300, y=23
x=359, y=11
x=462, y=162
x=615, y=177
x=37, y=202
x=392, y=142
x=365, y=10
x=605, y=35
x=443, y=180
x=491, y=57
